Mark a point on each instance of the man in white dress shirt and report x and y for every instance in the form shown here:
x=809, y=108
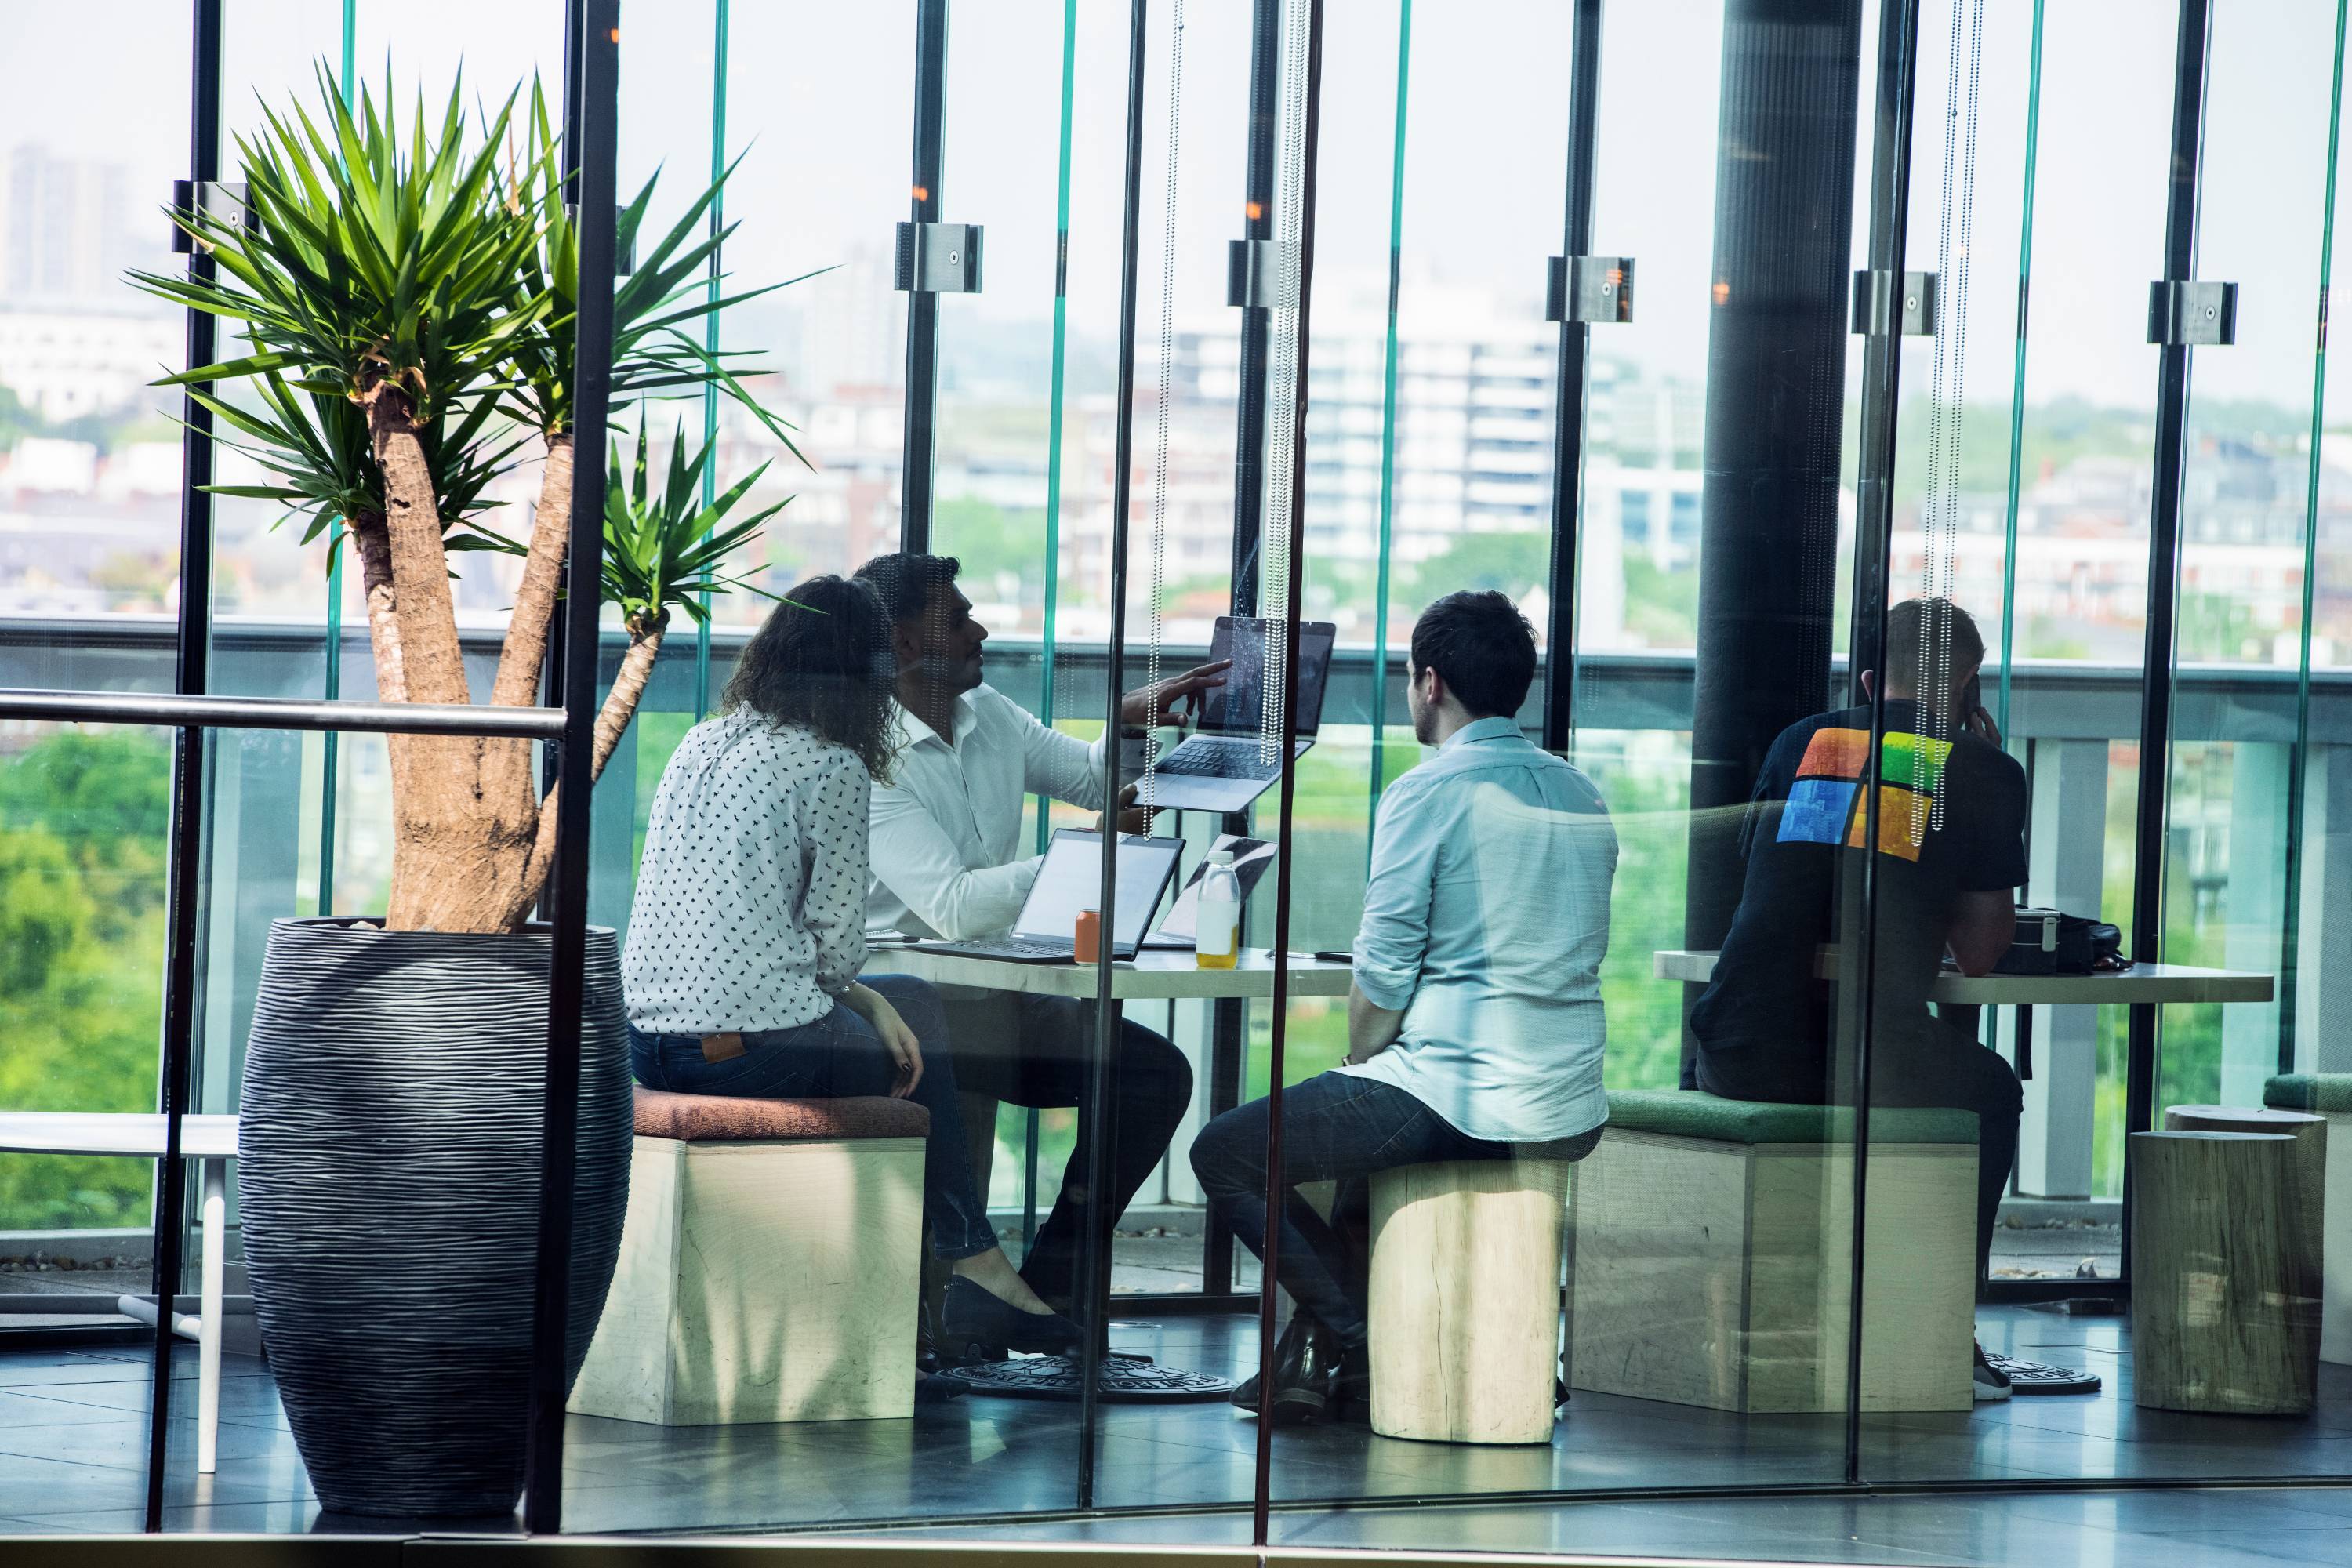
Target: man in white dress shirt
x=948, y=861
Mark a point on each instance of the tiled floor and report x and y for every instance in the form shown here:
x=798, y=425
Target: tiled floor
x=72, y=1451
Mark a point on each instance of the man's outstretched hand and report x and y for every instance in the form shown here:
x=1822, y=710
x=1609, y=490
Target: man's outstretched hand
x=1151, y=705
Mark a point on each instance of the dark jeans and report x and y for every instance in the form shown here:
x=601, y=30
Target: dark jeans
x=1033, y=1051
x=1922, y=1063
x=836, y=1057
x=1335, y=1127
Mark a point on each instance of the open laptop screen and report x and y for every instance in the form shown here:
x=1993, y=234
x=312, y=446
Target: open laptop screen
x=1071, y=881
x=1237, y=707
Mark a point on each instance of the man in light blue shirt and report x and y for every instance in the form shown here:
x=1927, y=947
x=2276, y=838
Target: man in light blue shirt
x=1475, y=1022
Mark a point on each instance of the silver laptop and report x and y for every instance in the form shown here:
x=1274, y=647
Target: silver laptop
x=1071, y=881
x=1224, y=767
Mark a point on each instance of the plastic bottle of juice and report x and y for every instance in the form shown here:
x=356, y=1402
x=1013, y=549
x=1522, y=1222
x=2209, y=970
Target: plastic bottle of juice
x=1217, y=931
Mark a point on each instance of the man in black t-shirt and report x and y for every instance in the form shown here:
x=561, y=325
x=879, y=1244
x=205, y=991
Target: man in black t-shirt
x=1951, y=841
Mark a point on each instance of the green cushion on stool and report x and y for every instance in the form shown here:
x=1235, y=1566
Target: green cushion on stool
x=2320, y=1091
x=1693, y=1113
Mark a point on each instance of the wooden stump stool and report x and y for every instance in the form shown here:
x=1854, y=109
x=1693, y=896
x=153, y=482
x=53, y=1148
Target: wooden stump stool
x=2224, y=1316
x=770, y=1264
x=1464, y=1313
x=2310, y=1134
x=2327, y=1096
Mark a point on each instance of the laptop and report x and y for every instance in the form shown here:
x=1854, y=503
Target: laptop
x=1223, y=767
x=1071, y=881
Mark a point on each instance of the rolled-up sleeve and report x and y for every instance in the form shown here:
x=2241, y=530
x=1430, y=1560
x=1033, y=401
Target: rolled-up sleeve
x=1393, y=937
x=833, y=839
x=1061, y=767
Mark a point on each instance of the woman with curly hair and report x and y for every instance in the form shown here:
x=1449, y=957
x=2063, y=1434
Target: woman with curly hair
x=749, y=927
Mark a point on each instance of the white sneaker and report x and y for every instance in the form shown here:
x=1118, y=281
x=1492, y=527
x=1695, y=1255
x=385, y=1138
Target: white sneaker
x=1990, y=1382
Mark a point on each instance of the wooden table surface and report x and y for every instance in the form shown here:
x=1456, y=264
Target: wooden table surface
x=1150, y=976
x=2141, y=983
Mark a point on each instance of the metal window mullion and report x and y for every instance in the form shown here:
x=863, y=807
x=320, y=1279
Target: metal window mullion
x=1890, y=209
x=1277, y=1190
x=1257, y=320
x=2184, y=169
x=330, y=746
x=1229, y=1018
x=1092, y=1289
x=1570, y=395
x=923, y=305
x=595, y=25
x=2017, y=377
x=190, y=674
x=2291, y=931
x=1379, y=703
x=718, y=227
x=1054, y=407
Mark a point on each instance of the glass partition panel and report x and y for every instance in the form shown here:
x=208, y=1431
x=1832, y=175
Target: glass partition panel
x=2242, y=534
x=1676, y=1327
x=89, y=475
x=823, y=95
x=90, y=532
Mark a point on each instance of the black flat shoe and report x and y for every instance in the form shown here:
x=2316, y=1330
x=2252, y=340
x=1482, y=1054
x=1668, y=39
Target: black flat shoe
x=1287, y=1350
x=975, y=1317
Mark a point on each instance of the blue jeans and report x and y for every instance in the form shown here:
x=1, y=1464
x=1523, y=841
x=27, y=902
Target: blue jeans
x=836, y=1057
x=1335, y=1127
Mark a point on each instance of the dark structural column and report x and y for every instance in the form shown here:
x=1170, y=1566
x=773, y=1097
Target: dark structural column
x=2191, y=49
x=1228, y=1020
x=1257, y=223
x=185, y=891
x=1568, y=388
x=1775, y=406
x=923, y=304
x=595, y=28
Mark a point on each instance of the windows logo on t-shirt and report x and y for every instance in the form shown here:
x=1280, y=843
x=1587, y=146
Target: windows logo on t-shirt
x=1824, y=803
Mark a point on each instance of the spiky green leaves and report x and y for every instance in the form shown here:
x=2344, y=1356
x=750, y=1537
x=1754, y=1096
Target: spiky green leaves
x=376, y=259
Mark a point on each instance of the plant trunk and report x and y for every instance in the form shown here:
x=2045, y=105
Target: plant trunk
x=373, y=544
x=464, y=815
x=612, y=721
x=521, y=659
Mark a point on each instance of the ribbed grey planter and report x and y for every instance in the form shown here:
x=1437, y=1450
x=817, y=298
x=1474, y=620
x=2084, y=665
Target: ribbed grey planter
x=389, y=1174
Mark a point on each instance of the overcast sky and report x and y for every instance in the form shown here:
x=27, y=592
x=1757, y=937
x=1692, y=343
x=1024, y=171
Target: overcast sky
x=821, y=93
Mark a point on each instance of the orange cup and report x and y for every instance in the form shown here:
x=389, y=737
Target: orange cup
x=1086, y=942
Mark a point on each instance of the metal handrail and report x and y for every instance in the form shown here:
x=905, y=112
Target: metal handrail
x=281, y=713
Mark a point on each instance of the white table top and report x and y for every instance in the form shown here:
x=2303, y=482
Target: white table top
x=129, y=1134
x=2141, y=983
x=1150, y=976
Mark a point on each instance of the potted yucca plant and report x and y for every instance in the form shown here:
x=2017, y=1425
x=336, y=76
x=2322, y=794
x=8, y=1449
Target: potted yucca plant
x=406, y=299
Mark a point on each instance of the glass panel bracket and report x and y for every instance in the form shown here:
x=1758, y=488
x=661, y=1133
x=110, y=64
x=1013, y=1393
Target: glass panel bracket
x=939, y=258
x=1884, y=305
x=229, y=201
x=1254, y=273
x=2186, y=314
x=1589, y=289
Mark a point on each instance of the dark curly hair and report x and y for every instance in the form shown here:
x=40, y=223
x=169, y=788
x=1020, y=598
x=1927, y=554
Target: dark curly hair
x=822, y=661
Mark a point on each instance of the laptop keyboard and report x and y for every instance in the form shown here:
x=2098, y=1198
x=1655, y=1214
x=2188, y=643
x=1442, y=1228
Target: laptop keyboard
x=1014, y=947
x=1226, y=757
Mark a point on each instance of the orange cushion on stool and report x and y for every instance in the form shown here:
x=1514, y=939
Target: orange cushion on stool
x=719, y=1119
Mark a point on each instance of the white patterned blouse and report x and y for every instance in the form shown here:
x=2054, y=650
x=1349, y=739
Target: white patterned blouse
x=750, y=902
